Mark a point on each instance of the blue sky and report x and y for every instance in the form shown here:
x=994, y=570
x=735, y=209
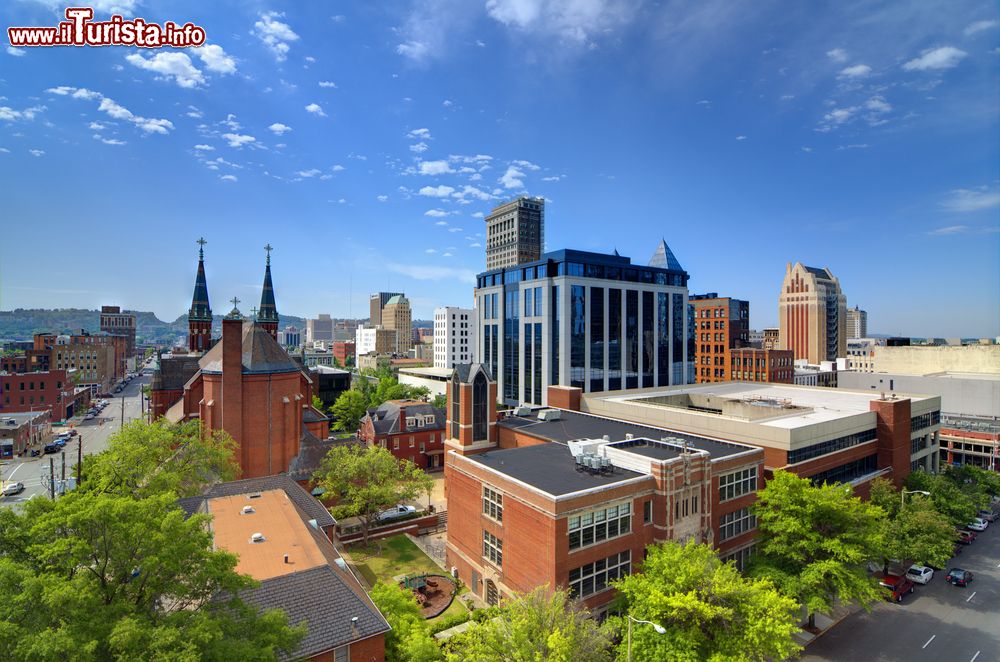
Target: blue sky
x=366, y=140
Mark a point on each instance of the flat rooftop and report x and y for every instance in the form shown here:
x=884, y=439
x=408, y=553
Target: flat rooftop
x=274, y=516
x=774, y=405
x=573, y=426
x=549, y=468
x=428, y=372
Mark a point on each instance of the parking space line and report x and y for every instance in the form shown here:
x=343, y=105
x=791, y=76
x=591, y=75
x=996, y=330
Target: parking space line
x=11, y=474
x=971, y=596
x=929, y=641
x=975, y=656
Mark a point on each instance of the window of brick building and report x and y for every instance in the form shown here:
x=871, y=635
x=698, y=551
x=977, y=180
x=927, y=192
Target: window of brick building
x=492, y=504
x=492, y=548
x=647, y=512
x=599, y=525
x=595, y=577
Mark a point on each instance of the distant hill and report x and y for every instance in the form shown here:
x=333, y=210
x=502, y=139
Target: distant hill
x=22, y=323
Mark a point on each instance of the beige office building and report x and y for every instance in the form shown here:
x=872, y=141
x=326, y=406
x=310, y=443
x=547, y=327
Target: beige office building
x=396, y=316
x=812, y=314
x=515, y=233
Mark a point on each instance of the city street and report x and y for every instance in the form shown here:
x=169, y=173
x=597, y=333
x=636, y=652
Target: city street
x=93, y=434
x=936, y=622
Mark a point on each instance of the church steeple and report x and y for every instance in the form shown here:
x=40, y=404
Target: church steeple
x=200, y=314
x=267, y=316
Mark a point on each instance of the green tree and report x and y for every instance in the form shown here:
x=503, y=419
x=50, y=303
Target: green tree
x=954, y=499
x=410, y=639
x=369, y=480
x=96, y=576
x=348, y=410
x=540, y=625
x=440, y=401
x=709, y=609
x=914, y=529
x=143, y=459
x=815, y=541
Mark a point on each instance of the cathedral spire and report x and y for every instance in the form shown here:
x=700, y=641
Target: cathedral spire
x=267, y=316
x=200, y=314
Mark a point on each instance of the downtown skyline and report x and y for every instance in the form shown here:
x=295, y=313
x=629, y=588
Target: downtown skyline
x=367, y=143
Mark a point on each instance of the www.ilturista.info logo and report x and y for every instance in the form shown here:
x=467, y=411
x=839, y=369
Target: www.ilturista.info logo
x=80, y=30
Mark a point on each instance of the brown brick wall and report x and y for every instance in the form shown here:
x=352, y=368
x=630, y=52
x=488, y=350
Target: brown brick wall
x=893, y=441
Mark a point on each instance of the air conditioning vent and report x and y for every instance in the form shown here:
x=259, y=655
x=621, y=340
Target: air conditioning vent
x=248, y=510
x=257, y=537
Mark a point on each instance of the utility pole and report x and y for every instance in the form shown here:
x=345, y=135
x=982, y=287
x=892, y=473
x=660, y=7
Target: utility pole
x=79, y=457
x=52, y=479
x=123, y=413
x=63, y=454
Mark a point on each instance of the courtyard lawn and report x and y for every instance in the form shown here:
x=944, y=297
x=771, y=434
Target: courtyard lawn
x=390, y=557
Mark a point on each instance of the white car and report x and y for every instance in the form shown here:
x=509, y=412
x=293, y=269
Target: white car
x=920, y=574
x=977, y=524
x=10, y=489
x=393, y=513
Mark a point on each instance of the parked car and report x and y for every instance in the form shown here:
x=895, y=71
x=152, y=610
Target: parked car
x=71, y=432
x=966, y=537
x=898, y=587
x=61, y=443
x=396, y=512
x=88, y=417
x=51, y=448
x=958, y=577
x=920, y=574
x=988, y=515
x=10, y=489
x=977, y=524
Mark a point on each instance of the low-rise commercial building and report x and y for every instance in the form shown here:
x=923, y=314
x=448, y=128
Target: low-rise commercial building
x=51, y=391
x=749, y=364
x=412, y=430
x=970, y=440
x=22, y=431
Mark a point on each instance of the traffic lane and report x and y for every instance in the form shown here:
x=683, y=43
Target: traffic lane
x=937, y=621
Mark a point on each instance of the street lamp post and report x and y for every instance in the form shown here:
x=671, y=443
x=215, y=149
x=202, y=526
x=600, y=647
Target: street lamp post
x=903, y=493
x=659, y=630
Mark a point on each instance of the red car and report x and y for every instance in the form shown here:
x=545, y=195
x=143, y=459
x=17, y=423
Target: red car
x=966, y=537
x=898, y=587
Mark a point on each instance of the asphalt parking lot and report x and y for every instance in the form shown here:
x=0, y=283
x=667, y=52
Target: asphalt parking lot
x=936, y=622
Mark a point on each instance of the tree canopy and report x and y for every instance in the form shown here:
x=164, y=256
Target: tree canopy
x=368, y=481
x=410, y=639
x=95, y=576
x=815, y=542
x=144, y=459
x=953, y=497
x=534, y=627
x=709, y=610
x=914, y=529
x=351, y=405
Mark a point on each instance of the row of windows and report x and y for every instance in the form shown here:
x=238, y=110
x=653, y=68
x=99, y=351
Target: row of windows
x=597, y=576
x=925, y=420
x=740, y=557
x=735, y=523
x=845, y=473
x=492, y=504
x=918, y=444
x=604, y=272
x=736, y=484
x=685, y=507
x=840, y=443
x=599, y=525
x=492, y=548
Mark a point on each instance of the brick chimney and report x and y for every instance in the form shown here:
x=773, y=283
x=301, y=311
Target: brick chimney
x=232, y=381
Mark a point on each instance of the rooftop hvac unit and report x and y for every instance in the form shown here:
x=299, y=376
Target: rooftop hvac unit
x=247, y=510
x=522, y=410
x=628, y=435
x=549, y=415
x=257, y=537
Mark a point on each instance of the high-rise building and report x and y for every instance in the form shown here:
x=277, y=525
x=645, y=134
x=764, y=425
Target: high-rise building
x=515, y=233
x=722, y=324
x=290, y=337
x=812, y=314
x=374, y=341
x=857, y=323
x=590, y=320
x=200, y=314
x=320, y=328
x=454, y=336
x=267, y=316
x=396, y=316
x=376, y=303
x=116, y=323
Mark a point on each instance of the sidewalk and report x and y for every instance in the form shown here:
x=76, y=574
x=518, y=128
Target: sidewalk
x=824, y=623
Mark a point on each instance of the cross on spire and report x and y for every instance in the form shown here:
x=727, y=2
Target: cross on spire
x=268, y=250
x=201, y=247
x=235, y=301
x=253, y=311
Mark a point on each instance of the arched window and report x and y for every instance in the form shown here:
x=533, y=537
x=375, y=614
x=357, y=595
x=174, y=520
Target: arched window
x=480, y=408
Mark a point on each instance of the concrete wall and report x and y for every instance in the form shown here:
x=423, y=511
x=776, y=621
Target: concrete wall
x=920, y=360
x=971, y=396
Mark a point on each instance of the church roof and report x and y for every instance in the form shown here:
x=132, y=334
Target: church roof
x=268, y=309
x=664, y=258
x=200, y=310
x=261, y=354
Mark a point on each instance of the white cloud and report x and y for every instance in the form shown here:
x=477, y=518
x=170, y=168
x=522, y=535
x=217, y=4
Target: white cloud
x=445, y=254
x=419, y=134
x=10, y=115
x=97, y=126
x=194, y=112
x=436, y=191
x=575, y=21
x=238, y=140
x=327, y=83
x=313, y=172
x=279, y=129
x=435, y=168
x=436, y=213
x=441, y=223
x=433, y=272
x=944, y=57
x=455, y=230
x=310, y=59
x=856, y=71
x=337, y=168
x=878, y=104
x=315, y=109
x=114, y=109
x=477, y=214
x=176, y=66
x=970, y=200
x=475, y=244
x=840, y=115
x=4, y=150
x=415, y=50
x=274, y=33
x=418, y=148
x=837, y=55
x=382, y=198
x=204, y=148
x=978, y=26
x=552, y=178
x=215, y=59
x=807, y=149
x=841, y=148
x=527, y=165
x=512, y=178
x=37, y=152
x=228, y=178
x=430, y=251
x=472, y=192
x=108, y=141
x=16, y=52
x=447, y=103
x=741, y=138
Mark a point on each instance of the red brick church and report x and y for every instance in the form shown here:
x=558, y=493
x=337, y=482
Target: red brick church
x=244, y=383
